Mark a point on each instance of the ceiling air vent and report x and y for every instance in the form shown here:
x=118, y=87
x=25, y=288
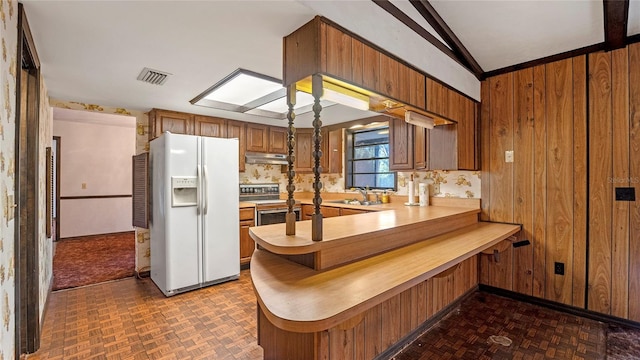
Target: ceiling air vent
x=153, y=76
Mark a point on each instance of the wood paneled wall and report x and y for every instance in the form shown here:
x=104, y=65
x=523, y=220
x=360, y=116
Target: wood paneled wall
x=614, y=235
x=540, y=114
x=574, y=127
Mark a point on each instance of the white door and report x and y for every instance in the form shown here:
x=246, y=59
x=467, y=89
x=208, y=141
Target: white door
x=183, y=248
x=221, y=230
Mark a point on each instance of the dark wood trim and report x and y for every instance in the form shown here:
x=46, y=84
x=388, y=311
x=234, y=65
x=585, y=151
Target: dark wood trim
x=411, y=24
x=545, y=60
x=633, y=39
x=27, y=272
x=395, y=348
x=616, y=15
x=94, y=197
x=58, y=142
x=560, y=307
x=440, y=26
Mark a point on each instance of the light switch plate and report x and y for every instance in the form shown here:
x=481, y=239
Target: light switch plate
x=508, y=156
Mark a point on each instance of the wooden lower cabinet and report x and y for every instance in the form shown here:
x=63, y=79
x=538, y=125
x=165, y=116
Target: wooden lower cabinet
x=328, y=211
x=345, y=211
x=368, y=334
x=247, y=245
x=307, y=211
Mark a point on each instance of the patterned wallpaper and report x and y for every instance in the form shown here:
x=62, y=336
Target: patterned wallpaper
x=143, y=249
x=8, y=37
x=464, y=184
x=45, y=139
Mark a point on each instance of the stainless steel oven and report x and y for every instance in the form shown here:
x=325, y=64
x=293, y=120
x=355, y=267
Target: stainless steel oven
x=274, y=216
x=270, y=209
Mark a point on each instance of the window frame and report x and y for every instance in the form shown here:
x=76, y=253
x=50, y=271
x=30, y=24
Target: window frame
x=350, y=160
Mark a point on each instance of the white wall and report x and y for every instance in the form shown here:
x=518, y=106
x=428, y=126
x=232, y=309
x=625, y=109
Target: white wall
x=95, y=160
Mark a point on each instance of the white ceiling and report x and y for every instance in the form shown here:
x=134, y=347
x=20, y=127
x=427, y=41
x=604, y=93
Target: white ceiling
x=92, y=51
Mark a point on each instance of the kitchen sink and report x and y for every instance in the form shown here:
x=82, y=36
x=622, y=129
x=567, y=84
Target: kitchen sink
x=352, y=202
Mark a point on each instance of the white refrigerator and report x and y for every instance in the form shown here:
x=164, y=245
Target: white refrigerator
x=195, y=236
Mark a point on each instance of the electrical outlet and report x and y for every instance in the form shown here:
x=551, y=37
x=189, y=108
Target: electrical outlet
x=558, y=268
x=508, y=156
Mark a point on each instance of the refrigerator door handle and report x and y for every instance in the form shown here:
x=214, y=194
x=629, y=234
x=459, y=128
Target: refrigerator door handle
x=206, y=190
x=198, y=200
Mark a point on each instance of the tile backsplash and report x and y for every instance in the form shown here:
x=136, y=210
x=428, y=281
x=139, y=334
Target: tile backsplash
x=442, y=183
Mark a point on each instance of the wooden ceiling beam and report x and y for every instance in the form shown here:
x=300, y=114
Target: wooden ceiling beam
x=418, y=29
x=616, y=15
x=440, y=26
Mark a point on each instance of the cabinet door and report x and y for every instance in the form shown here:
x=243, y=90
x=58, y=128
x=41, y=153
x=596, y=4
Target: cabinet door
x=371, y=68
x=357, y=61
x=334, y=152
x=172, y=121
x=443, y=148
x=277, y=140
x=338, y=54
x=345, y=211
x=247, y=245
x=467, y=142
x=400, y=145
x=210, y=126
x=304, y=150
x=307, y=212
x=328, y=211
x=437, y=98
x=420, y=148
x=236, y=130
x=389, y=77
x=257, y=137
x=417, y=90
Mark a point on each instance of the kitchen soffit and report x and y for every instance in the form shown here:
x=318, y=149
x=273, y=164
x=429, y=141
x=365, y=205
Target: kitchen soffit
x=249, y=92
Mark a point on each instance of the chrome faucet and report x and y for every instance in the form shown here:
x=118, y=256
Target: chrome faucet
x=365, y=196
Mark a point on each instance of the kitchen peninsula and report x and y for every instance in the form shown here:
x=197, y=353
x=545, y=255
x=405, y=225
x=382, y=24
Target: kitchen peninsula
x=374, y=279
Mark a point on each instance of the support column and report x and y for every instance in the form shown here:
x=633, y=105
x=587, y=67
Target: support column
x=291, y=142
x=316, y=218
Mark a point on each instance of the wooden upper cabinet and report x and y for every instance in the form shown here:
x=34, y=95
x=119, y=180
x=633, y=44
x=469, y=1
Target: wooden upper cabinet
x=443, y=148
x=417, y=89
x=337, y=57
x=277, y=140
x=420, y=148
x=172, y=121
x=257, y=137
x=400, y=145
x=210, y=126
x=236, y=130
x=334, y=152
x=370, y=68
x=437, y=98
x=331, y=147
x=467, y=139
x=390, y=78
x=304, y=150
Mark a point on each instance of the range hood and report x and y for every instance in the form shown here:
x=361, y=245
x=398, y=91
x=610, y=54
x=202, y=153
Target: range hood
x=263, y=158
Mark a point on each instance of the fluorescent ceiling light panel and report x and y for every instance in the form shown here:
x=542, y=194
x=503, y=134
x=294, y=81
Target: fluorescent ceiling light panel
x=280, y=105
x=243, y=89
x=340, y=95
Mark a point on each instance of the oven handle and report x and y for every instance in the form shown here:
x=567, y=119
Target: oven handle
x=275, y=211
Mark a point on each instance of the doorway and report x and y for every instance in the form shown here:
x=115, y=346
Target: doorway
x=27, y=289
x=96, y=240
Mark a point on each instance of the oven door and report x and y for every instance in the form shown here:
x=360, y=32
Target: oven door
x=274, y=216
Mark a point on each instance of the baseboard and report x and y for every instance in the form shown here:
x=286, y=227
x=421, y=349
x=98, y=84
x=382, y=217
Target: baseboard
x=90, y=235
x=589, y=314
x=143, y=274
x=413, y=335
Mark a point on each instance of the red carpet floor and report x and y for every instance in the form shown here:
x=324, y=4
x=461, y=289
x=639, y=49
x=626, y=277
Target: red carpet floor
x=93, y=259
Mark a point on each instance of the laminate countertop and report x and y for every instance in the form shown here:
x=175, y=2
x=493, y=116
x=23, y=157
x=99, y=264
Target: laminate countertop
x=388, y=220
x=300, y=299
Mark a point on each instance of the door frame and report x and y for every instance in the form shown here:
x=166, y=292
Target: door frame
x=57, y=140
x=27, y=288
